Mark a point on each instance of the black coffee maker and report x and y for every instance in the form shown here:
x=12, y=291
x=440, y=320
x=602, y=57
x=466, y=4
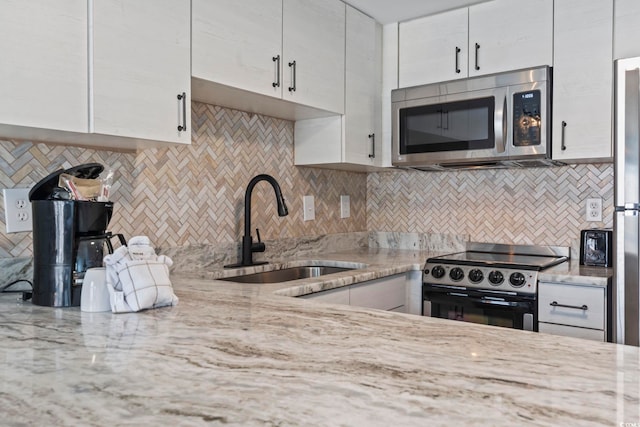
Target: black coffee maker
x=69, y=237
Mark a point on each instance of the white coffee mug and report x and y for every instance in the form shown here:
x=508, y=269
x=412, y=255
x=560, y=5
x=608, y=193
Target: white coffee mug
x=95, y=295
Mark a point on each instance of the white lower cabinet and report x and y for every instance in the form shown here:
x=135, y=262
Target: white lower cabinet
x=574, y=310
x=332, y=296
x=388, y=293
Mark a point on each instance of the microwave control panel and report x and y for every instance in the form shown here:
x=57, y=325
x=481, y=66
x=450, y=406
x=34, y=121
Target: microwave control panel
x=527, y=121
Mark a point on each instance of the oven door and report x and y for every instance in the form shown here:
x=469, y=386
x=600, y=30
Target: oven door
x=476, y=306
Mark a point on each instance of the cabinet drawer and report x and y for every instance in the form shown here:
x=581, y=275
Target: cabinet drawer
x=571, y=331
x=550, y=294
x=384, y=294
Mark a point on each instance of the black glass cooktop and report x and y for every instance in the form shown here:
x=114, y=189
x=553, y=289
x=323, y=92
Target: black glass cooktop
x=525, y=262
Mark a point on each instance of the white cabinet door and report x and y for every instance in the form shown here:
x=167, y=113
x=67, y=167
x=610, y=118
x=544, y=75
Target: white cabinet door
x=572, y=331
x=313, y=53
x=510, y=34
x=363, y=84
x=388, y=293
x=626, y=31
x=234, y=42
x=332, y=296
x=582, y=80
x=434, y=48
x=353, y=140
x=43, y=71
x=141, y=57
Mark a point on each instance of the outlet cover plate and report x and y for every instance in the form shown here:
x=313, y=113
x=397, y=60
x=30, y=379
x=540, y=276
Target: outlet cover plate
x=17, y=210
x=345, y=206
x=594, y=210
x=308, y=207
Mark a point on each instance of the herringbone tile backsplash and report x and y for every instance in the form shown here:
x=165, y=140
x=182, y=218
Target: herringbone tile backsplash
x=195, y=194
x=524, y=206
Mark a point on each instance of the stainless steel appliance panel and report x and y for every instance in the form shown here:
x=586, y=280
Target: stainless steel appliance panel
x=627, y=133
x=627, y=200
x=432, y=126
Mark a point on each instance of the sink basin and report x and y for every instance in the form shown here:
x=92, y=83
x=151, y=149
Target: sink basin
x=287, y=274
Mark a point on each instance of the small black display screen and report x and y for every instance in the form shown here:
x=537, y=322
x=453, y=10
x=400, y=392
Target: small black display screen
x=527, y=122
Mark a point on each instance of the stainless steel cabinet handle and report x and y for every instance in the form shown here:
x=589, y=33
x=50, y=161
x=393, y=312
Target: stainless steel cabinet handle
x=457, y=58
x=583, y=307
x=276, y=59
x=372, y=137
x=183, y=97
x=292, y=65
x=477, y=49
x=562, y=144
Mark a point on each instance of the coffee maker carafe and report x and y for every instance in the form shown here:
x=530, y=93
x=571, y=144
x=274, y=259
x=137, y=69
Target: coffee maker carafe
x=69, y=237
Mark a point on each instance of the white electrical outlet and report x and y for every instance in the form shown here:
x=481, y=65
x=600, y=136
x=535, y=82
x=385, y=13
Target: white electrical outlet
x=309, y=209
x=345, y=207
x=594, y=209
x=17, y=210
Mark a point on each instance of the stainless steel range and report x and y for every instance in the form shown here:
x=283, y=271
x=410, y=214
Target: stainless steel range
x=493, y=284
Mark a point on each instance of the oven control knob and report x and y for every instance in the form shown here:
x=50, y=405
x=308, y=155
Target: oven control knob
x=495, y=277
x=476, y=275
x=517, y=280
x=437, y=272
x=456, y=274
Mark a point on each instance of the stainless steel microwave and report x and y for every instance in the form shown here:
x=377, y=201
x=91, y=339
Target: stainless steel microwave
x=498, y=120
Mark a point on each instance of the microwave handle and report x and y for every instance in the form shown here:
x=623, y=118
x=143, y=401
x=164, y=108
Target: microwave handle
x=501, y=125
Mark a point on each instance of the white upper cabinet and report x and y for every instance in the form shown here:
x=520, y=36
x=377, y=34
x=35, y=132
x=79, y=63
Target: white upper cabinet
x=238, y=43
x=351, y=141
x=433, y=49
x=510, y=35
x=43, y=71
x=486, y=38
x=141, y=57
x=626, y=29
x=582, y=80
x=363, y=85
x=290, y=50
x=313, y=45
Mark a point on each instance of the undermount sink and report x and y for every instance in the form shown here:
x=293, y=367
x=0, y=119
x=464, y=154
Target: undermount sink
x=287, y=274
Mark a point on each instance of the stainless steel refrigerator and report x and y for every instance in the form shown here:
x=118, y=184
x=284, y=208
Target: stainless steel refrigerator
x=627, y=200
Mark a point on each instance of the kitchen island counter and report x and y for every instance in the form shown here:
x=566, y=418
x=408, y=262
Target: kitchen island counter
x=240, y=354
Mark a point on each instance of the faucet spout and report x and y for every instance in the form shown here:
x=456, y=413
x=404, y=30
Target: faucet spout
x=248, y=247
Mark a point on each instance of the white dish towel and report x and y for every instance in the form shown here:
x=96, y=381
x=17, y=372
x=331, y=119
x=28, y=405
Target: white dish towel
x=137, y=278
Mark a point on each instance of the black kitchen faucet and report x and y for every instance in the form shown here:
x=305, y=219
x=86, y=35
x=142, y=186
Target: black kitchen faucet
x=248, y=247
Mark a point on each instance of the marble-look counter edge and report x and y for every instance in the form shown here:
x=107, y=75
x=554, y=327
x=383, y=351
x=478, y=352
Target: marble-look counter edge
x=573, y=272
x=372, y=264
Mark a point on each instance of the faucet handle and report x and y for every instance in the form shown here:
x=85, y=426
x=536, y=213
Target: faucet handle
x=258, y=246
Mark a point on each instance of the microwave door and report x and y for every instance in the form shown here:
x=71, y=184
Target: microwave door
x=451, y=128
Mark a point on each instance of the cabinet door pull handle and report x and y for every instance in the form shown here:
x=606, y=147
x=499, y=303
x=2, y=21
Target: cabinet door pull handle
x=276, y=59
x=372, y=137
x=457, y=59
x=183, y=97
x=583, y=307
x=292, y=65
x=563, y=146
x=477, y=49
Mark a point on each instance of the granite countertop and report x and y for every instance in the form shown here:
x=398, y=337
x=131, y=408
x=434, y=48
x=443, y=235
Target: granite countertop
x=239, y=354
